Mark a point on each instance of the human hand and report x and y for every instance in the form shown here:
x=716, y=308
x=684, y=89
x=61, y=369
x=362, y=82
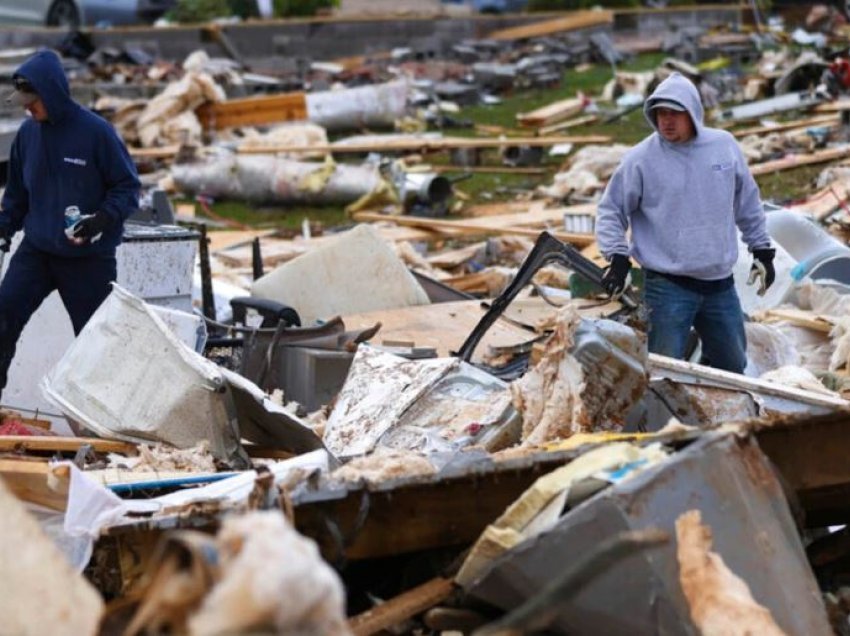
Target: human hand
x=762, y=269
x=614, y=280
x=89, y=228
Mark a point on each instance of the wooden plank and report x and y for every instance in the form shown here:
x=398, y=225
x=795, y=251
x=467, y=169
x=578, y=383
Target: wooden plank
x=253, y=111
x=426, y=144
x=224, y=239
x=160, y=152
x=570, y=22
x=64, y=444
x=835, y=106
x=401, y=607
x=825, y=201
x=489, y=170
x=552, y=113
x=788, y=125
x=501, y=224
x=570, y=123
x=28, y=480
x=795, y=161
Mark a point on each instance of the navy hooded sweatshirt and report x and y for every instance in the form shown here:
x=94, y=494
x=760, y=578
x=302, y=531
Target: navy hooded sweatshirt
x=73, y=158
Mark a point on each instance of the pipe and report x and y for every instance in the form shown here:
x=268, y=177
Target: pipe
x=269, y=179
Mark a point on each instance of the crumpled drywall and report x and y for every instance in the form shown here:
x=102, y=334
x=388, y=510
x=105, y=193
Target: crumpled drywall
x=272, y=580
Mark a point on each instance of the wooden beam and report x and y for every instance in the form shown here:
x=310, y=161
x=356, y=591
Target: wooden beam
x=54, y=444
x=796, y=161
x=570, y=123
x=28, y=480
x=161, y=152
x=426, y=144
x=253, y=111
x=489, y=170
x=551, y=113
x=788, y=125
x=401, y=607
x=488, y=225
x=570, y=22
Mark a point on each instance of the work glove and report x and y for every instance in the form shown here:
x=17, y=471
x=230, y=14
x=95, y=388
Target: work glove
x=615, y=280
x=5, y=238
x=89, y=228
x=762, y=269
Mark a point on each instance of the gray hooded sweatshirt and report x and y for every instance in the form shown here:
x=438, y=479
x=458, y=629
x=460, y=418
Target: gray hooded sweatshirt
x=683, y=201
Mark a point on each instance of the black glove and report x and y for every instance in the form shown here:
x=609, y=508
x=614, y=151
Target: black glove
x=614, y=278
x=762, y=269
x=6, y=234
x=90, y=227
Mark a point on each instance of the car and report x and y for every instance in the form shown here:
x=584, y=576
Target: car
x=492, y=6
x=76, y=13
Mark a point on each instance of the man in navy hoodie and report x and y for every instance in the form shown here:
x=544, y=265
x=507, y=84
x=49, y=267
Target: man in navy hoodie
x=63, y=156
x=684, y=192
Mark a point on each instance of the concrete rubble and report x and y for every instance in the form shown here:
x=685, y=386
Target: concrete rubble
x=426, y=418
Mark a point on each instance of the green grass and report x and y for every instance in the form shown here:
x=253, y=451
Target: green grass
x=486, y=188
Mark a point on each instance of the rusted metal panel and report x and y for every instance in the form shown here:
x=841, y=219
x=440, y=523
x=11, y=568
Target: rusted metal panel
x=811, y=453
x=732, y=483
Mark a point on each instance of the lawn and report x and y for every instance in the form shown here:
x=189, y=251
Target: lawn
x=485, y=188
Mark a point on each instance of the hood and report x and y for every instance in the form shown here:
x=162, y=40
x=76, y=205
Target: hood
x=680, y=89
x=44, y=71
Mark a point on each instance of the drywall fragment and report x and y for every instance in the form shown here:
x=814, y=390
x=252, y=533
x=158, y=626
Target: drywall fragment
x=42, y=594
x=272, y=579
x=720, y=602
x=379, y=389
x=358, y=272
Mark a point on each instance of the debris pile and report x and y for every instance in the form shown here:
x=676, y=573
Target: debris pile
x=432, y=419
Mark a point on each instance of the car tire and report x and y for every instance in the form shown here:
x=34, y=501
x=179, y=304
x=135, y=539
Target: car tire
x=63, y=13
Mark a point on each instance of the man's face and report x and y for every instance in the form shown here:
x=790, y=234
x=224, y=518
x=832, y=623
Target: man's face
x=37, y=110
x=674, y=125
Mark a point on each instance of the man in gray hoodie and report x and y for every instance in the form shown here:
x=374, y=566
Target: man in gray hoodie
x=683, y=191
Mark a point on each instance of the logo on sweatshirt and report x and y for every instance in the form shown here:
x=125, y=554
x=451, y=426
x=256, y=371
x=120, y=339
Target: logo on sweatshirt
x=74, y=160
x=717, y=167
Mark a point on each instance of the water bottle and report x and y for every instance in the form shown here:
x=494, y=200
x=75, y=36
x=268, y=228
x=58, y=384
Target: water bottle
x=72, y=217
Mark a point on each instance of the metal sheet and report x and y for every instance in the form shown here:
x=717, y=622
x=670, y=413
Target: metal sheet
x=733, y=484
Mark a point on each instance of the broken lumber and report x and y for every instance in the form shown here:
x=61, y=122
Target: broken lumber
x=253, y=111
x=402, y=607
x=484, y=226
x=570, y=22
x=426, y=144
x=27, y=478
x=788, y=125
x=570, y=123
x=54, y=444
x=552, y=113
x=795, y=161
x=825, y=201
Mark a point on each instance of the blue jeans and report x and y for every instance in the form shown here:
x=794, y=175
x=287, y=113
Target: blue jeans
x=716, y=317
x=83, y=284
